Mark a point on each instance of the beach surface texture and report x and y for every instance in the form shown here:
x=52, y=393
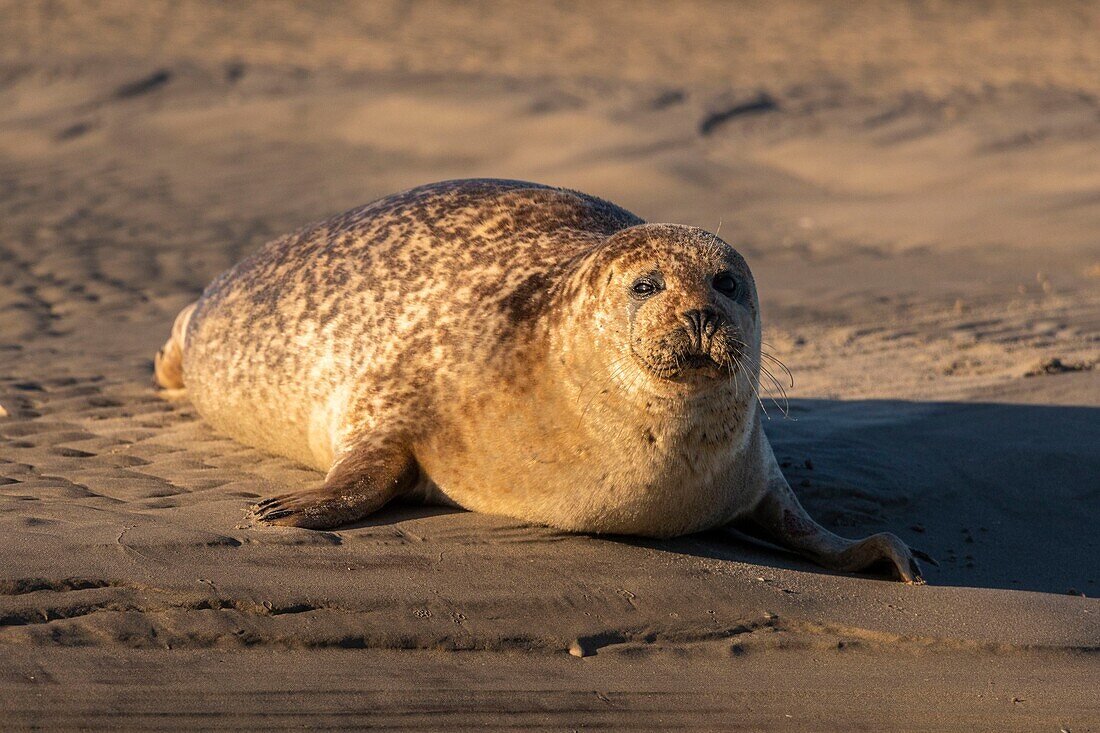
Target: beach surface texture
x=916, y=187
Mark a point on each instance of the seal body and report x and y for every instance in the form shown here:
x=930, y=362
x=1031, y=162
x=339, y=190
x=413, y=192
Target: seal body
x=501, y=346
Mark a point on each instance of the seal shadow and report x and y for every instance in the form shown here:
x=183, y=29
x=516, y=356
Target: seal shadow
x=1002, y=495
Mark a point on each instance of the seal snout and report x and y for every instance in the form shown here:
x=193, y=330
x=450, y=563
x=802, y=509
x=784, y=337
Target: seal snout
x=710, y=343
x=702, y=345
x=702, y=324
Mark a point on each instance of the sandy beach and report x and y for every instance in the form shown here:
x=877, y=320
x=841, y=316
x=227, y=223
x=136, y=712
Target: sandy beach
x=916, y=187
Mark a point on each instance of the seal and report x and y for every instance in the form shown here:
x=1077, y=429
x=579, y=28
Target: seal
x=509, y=348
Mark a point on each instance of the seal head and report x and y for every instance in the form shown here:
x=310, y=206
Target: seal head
x=671, y=309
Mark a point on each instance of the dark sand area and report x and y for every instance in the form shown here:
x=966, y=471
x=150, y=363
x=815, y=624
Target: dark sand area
x=917, y=189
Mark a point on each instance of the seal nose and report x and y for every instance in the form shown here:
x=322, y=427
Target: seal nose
x=702, y=323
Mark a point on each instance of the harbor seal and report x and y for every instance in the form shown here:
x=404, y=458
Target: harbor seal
x=509, y=348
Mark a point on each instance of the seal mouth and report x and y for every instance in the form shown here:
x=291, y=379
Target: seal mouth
x=692, y=367
x=699, y=361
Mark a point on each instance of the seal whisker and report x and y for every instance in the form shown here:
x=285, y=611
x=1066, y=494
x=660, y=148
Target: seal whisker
x=785, y=408
x=727, y=360
x=775, y=385
x=624, y=359
x=754, y=371
x=780, y=364
x=766, y=372
x=753, y=386
x=773, y=360
x=624, y=362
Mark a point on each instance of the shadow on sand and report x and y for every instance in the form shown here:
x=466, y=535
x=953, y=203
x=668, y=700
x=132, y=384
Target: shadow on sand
x=1002, y=495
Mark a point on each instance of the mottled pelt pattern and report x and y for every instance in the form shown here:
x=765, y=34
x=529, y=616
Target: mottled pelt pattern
x=370, y=319
x=480, y=343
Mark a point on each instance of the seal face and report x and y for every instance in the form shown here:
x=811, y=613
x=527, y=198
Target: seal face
x=506, y=347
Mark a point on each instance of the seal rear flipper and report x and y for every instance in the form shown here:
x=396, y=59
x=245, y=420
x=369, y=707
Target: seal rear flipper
x=168, y=362
x=780, y=518
x=359, y=484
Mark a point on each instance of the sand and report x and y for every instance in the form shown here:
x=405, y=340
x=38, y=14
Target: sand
x=916, y=186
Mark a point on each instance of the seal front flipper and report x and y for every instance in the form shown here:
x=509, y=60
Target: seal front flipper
x=363, y=480
x=779, y=517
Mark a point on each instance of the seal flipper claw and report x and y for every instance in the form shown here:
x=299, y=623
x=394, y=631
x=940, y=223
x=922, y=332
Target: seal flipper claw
x=359, y=484
x=918, y=577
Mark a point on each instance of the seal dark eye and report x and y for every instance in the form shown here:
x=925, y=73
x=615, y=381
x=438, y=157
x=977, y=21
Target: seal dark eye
x=644, y=287
x=726, y=284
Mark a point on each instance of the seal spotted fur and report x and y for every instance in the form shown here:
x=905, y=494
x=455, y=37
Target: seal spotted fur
x=509, y=348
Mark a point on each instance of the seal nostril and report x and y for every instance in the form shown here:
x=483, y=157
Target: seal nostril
x=692, y=318
x=702, y=323
x=712, y=320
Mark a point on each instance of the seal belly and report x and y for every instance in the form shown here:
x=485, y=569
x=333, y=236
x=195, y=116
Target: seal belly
x=511, y=461
x=585, y=498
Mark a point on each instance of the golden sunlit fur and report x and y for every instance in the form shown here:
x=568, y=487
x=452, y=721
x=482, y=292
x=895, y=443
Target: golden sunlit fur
x=598, y=440
x=508, y=348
